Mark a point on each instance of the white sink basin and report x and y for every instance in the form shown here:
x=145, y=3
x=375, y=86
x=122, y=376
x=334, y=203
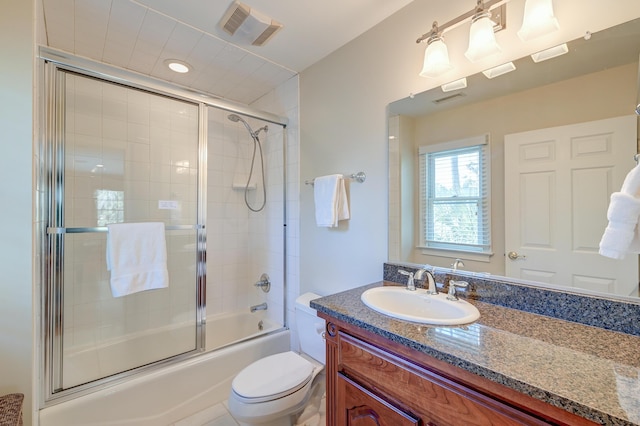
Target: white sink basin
x=418, y=306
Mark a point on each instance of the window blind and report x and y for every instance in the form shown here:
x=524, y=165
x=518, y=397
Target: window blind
x=455, y=195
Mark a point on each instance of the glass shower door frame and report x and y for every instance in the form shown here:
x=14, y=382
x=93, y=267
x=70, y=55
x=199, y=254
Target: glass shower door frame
x=53, y=242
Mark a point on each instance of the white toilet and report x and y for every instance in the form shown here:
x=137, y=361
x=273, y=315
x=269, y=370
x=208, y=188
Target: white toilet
x=285, y=389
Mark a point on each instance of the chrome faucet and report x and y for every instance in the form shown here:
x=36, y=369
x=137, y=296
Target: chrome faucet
x=260, y=307
x=430, y=280
x=451, y=293
x=411, y=285
x=458, y=263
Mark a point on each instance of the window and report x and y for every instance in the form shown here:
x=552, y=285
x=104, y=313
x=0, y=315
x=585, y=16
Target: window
x=455, y=199
x=109, y=206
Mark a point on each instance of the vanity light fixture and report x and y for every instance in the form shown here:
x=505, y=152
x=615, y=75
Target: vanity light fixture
x=455, y=85
x=436, y=55
x=538, y=19
x=487, y=18
x=482, y=40
x=177, y=66
x=550, y=53
x=499, y=70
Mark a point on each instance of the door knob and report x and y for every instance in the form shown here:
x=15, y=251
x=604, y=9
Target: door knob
x=513, y=255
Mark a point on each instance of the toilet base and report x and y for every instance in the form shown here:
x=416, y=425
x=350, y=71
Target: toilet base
x=307, y=412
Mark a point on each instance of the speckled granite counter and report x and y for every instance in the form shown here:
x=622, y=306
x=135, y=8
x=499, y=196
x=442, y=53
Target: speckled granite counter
x=588, y=371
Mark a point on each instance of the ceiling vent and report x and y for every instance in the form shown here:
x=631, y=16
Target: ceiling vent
x=248, y=26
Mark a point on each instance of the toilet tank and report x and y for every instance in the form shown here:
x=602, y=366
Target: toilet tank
x=310, y=328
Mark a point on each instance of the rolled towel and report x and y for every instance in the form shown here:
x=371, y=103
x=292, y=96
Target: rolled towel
x=623, y=214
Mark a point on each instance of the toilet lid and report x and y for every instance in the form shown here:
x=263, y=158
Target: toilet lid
x=273, y=377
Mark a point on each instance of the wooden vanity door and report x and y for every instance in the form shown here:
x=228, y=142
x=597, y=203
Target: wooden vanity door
x=359, y=407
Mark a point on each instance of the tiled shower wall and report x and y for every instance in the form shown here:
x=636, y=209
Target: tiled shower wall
x=284, y=101
x=242, y=244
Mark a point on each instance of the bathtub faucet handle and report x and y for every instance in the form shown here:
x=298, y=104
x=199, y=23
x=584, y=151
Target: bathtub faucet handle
x=264, y=283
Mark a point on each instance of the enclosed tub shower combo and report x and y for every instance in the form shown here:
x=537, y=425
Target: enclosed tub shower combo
x=118, y=148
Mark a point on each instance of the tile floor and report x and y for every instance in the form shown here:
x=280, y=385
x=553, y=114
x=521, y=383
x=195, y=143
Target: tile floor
x=218, y=415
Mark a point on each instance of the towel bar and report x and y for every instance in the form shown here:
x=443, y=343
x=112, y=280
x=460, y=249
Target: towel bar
x=358, y=177
x=62, y=230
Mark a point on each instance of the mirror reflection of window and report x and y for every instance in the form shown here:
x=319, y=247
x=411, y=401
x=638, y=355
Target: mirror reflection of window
x=455, y=195
x=465, y=338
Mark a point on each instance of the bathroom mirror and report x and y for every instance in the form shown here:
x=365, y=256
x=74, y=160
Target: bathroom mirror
x=597, y=79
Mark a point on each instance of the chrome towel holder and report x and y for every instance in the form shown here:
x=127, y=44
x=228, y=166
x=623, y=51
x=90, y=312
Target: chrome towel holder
x=359, y=177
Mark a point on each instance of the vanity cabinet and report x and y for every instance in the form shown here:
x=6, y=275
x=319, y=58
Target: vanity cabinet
x=372, y=381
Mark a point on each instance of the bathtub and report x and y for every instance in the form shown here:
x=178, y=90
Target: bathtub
x=166, y=395
x=227, y=329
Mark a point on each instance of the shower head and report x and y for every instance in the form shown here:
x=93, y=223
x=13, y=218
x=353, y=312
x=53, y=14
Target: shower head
x=235, y=118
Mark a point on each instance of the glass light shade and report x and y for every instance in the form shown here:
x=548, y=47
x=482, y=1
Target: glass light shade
x=436, y=59
x=482, y=40
x=538, y=19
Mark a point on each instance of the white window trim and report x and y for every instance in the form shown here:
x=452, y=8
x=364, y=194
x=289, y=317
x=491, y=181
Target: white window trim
x=457, y=254
x=483, y=256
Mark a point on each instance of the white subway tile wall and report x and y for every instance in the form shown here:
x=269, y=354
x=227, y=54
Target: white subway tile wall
x=284, y=101
x=241, y=244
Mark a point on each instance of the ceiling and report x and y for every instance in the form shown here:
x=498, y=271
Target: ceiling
x=139, y=35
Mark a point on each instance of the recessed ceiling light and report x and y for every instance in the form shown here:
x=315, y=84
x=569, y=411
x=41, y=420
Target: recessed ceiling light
x=177, y=66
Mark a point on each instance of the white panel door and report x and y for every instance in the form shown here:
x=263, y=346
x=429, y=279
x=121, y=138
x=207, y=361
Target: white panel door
x=557, y=187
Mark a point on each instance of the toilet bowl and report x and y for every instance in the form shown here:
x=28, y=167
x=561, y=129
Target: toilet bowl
x=284, y=389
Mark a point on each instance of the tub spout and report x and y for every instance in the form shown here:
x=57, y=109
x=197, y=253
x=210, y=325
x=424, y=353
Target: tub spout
x=260, y=307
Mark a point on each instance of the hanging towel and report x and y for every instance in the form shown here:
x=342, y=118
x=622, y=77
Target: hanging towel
x=621, y=235
x=136, y=257
x=330, y=199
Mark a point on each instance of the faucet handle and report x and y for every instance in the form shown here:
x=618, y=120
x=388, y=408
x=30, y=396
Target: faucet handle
x=451, y=294
x=410, y=282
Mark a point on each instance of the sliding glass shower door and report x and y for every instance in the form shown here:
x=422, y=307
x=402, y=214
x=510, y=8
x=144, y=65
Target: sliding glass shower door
x=118, y=154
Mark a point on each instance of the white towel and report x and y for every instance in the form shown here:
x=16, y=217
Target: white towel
x=330, y=199
x=621, y=235
x=136, y=257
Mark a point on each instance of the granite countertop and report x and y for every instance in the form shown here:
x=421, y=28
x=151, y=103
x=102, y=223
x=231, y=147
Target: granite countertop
x=586, y=370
